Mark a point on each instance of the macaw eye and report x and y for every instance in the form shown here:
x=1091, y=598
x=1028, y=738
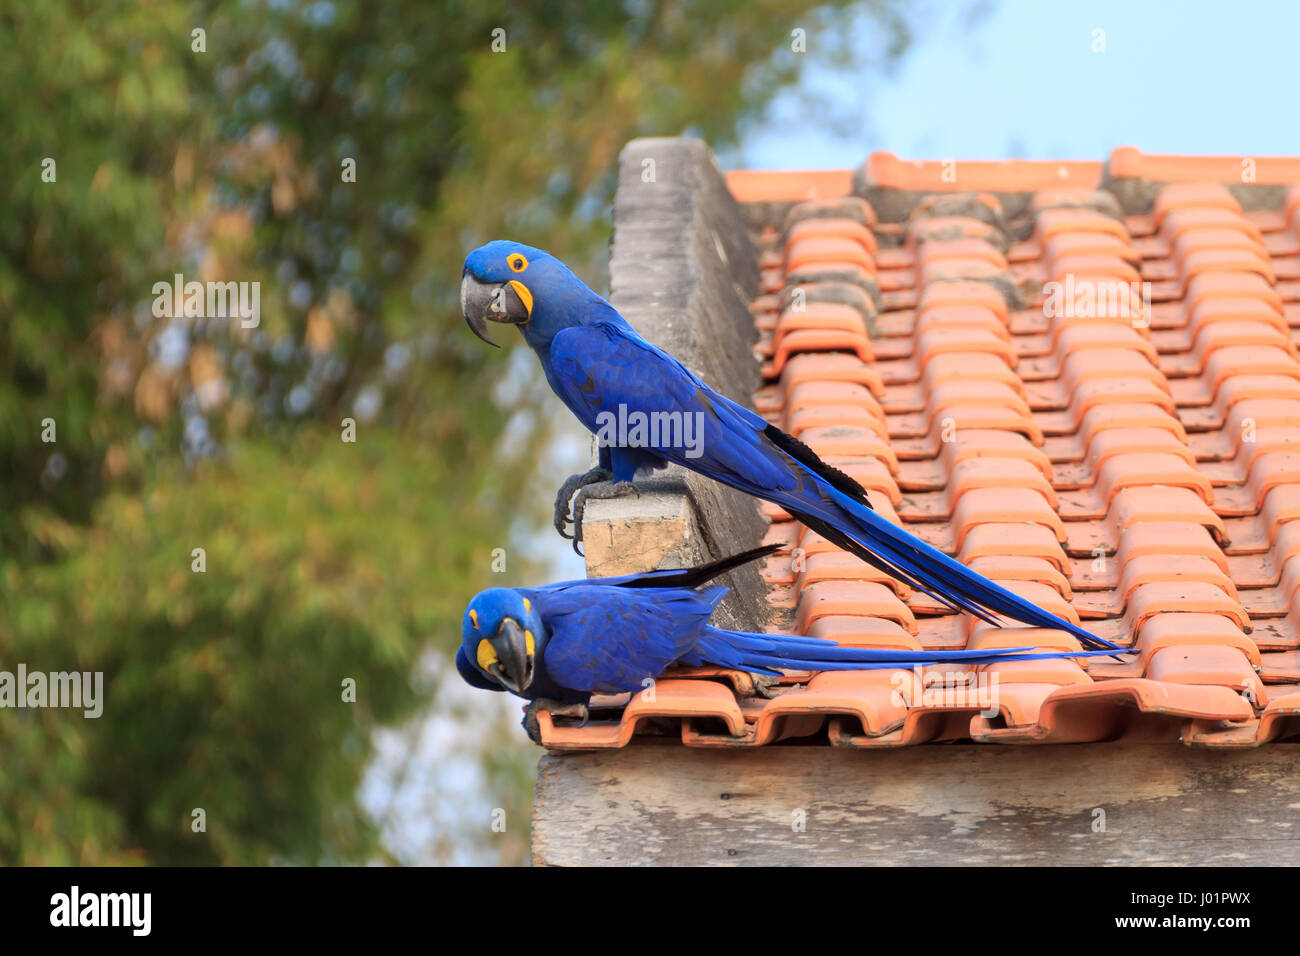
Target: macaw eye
x=516, y=262
x=473, y=616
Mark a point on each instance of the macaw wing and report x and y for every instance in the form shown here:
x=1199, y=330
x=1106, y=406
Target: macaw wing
x=605, y=368
x=610, y=639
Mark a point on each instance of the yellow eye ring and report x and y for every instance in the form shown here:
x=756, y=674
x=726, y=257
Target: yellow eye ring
x=473, y=617
x=516, y=262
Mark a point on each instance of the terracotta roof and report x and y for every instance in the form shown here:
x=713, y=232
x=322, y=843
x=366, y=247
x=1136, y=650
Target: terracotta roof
x=1082, y=379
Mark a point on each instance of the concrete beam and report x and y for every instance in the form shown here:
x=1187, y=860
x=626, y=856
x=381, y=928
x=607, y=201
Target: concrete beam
x=1067, y=805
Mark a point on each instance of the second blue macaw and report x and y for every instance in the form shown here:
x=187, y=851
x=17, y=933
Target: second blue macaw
x=603, y=370
x=558, y=644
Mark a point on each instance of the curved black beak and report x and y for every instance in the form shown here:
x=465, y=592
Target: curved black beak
x=483, y=302
x=514, y=664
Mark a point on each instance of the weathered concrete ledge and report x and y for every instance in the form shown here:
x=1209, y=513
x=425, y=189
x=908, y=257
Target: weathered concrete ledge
x=683, y=271
x=1067, y=805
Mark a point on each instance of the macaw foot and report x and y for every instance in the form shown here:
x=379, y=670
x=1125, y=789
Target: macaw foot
x=556, y=709
x=566, y=492
x=754, y=685
x=600, y=490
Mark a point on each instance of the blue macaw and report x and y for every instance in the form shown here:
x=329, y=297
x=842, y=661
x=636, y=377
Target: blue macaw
x=600, y=367
x=557, y=644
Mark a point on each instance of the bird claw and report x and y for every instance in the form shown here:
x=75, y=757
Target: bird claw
x=599, y=489
x=567, y=490
x=555, y=709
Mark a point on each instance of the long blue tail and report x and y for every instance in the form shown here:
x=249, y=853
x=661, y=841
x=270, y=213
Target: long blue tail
x=848, y=521
x=772, y=653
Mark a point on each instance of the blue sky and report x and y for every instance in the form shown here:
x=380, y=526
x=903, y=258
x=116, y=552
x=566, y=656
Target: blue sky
x=1023, y=82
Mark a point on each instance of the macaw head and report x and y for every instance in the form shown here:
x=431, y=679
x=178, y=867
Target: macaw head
x=502, y=634
x=515, y=284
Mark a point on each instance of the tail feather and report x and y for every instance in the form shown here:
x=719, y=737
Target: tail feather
x=772, y=653
x=699, y=574
x=691, y=577
x=884, y=545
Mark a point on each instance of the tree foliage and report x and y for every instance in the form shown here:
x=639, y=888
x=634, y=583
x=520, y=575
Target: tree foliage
x=222, y=155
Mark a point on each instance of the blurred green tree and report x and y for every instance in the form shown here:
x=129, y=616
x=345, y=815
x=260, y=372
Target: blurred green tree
x=344, y=154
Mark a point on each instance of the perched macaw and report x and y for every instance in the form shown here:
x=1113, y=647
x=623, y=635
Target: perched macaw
x=557, y=644
x=600, y=368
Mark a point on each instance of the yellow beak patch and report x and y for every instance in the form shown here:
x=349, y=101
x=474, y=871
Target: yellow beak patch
x=486, y=655
x=525, y=296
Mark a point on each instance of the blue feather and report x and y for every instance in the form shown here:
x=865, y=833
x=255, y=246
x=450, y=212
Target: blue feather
x=597, y=364
x=603, y=638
